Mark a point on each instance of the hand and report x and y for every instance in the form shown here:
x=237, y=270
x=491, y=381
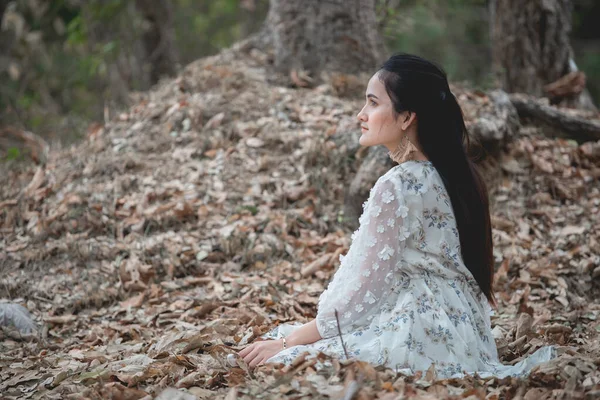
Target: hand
x=260, y=351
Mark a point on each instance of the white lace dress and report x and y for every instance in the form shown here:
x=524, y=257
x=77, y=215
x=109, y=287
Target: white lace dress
x=403, y=295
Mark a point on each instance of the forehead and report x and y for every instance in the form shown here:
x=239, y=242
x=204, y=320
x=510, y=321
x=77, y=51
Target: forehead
x=375, y=86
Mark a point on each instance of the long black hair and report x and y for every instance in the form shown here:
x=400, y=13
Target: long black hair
x=420, y=86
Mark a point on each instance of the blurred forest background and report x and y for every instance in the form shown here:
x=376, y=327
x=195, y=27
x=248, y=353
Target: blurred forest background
x=200, y=201
x=65, y=64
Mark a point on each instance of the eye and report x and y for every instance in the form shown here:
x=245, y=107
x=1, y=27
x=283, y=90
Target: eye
x=372, y=103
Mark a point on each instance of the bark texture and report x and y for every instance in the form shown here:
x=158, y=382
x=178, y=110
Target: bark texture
x=531, y=48
x=497, y=124
x=531, y=43
x=334, y=35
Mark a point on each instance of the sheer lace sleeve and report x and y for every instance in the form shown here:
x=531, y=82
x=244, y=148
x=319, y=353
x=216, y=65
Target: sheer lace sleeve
x=366, y=272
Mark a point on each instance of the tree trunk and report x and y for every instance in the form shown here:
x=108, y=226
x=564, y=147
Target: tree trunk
x=334, y=35
x=159, y=37
x=3, y=5
x=531, y=48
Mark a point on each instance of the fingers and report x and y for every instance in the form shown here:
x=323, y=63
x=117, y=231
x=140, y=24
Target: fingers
x=246, y=350
x=258, y=360
x=256, y=353
x=262, y=362
x=250, y=358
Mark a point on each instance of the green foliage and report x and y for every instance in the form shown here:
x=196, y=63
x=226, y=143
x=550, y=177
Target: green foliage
x=204, y=27
x=590, y=63
x=75, y=32
x=13, y=153
x=65, y=81
x=585, y=34
x=453, y=33
x=251, y=208
x=61, y=75
x=73, y=58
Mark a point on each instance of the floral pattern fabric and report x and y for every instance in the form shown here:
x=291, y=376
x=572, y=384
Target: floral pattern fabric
x=402, y=294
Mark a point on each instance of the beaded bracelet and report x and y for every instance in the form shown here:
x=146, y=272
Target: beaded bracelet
x=284, y=343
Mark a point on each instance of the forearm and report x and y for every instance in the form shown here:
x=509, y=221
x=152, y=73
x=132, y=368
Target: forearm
x=306, y=334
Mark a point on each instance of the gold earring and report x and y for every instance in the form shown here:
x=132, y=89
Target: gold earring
x=404, y=151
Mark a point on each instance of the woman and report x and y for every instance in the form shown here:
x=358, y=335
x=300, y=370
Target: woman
x=416, y=285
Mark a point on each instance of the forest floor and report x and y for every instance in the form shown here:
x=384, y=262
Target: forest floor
x=209, y=212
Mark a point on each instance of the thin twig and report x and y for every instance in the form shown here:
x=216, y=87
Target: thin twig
x=340, y=333
x=40, y=298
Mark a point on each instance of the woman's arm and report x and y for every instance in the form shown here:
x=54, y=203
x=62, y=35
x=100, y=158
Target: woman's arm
x=261, y=350
x=366, y=274
x=306, y=334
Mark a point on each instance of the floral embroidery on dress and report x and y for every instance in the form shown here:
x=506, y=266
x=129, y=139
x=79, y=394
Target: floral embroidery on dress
x=386, y=253
x=437, y=218
x=403, y=295
x=441, y=194
x=387, y=197
x=440, y=335
x=414, y=345
x=457, y=316
x=376, y=211
x=402, y=211
x=404, y=233
x=413, y=184
x=423, y=304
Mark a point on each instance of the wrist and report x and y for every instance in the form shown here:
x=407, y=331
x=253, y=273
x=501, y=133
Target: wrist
x=291, y=340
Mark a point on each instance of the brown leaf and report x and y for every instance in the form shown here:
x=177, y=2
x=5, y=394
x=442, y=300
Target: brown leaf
x=134, y=274
x=36, y=182
x=524, y=325
x=299, y=78
x=317, y=264
x=61, y=319
x=135, y=301
x=183, y=210
x=116, y=391
x=572, y=230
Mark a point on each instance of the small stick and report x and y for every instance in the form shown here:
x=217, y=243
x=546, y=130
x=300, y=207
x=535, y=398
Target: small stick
x=340, y=333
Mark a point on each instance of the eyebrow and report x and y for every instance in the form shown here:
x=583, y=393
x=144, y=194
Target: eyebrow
x=372, y=95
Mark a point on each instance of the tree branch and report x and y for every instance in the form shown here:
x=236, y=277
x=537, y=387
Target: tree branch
x=340, y=333
x=578, y=128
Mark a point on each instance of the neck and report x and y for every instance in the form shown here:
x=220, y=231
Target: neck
x=406, y=150
x=419, y=156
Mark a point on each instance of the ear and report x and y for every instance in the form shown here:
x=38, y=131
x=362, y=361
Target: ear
x=408, y=119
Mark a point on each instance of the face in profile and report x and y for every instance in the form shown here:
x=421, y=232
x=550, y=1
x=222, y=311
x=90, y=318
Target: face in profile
x=377, y=121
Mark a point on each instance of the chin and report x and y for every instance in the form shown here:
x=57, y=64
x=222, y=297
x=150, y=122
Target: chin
x=367, y=143
x=364, y=141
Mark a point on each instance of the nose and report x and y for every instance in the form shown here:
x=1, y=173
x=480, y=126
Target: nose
x=361, y=116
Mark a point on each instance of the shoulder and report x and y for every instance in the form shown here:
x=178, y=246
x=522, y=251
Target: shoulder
x=409, y=179
x=421, y=169
x=415, y=177
x=390, y=181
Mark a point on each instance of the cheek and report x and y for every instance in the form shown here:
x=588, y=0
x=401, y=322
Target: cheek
x=375, y=118
x=381, y=120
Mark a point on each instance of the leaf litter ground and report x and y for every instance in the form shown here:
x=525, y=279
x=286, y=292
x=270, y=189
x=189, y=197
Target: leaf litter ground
x=209, y=212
